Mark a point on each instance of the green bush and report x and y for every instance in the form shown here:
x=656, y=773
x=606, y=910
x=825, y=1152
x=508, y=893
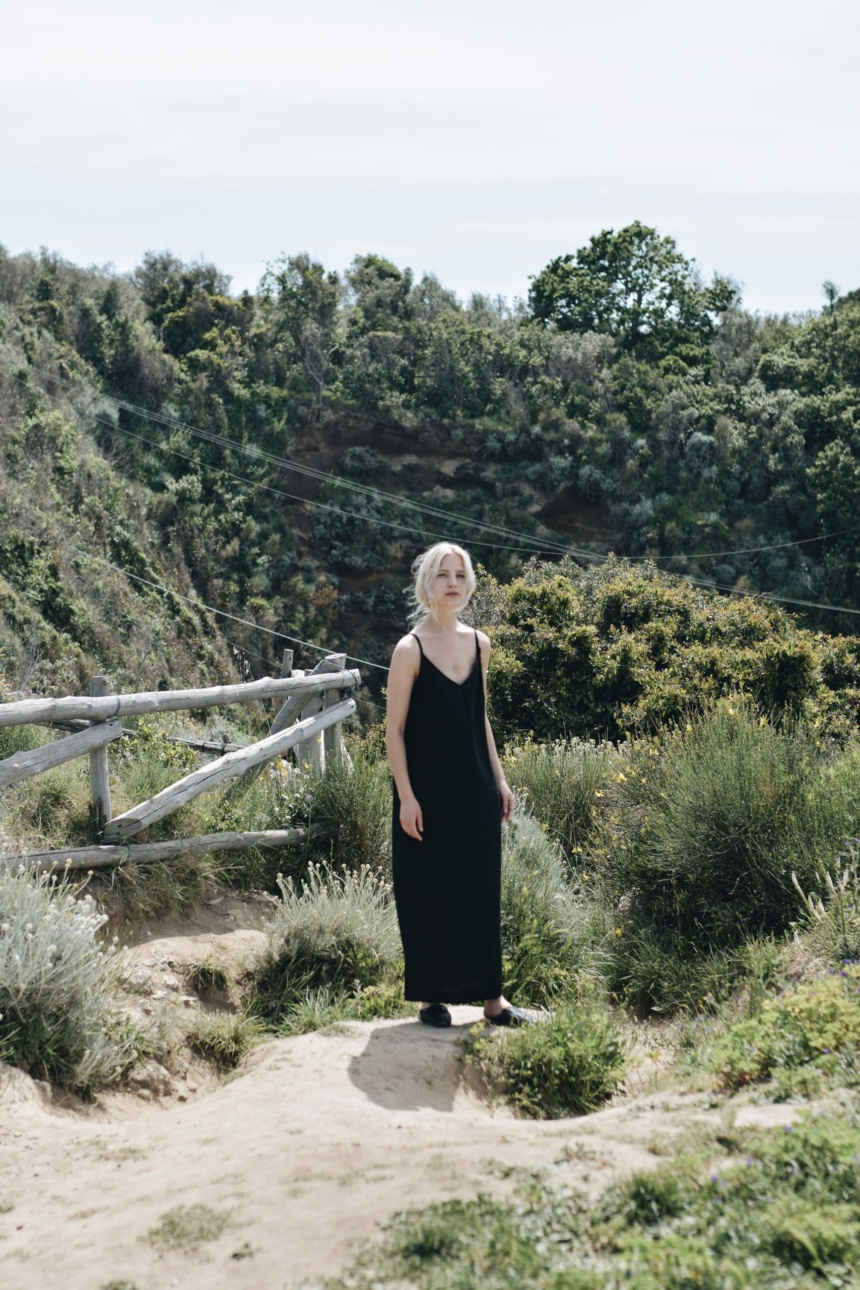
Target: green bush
x=566, y=1064
x=702, y=831
x=618, y=647
x=57, y=1019
x=559, y=781
x=553, y=938
x=813, y=1028
x=337, y=930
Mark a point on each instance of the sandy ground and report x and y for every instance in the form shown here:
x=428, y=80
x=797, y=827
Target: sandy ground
x=314, y=1142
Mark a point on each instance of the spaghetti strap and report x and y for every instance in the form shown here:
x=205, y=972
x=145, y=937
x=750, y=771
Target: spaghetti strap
x=420, y=646
x=477, y=645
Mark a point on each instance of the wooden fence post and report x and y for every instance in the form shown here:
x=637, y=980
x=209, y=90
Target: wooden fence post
x=286, y=673
x=332, y=739
x=99, y=780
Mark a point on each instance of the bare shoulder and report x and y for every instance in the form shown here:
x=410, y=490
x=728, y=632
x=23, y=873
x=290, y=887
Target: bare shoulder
x=407, y=652
x=484, y=643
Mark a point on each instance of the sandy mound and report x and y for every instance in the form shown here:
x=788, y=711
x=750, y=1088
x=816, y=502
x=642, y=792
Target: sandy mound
x=314, y=1142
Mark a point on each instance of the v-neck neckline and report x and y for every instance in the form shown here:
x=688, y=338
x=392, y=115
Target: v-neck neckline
x=438, y=669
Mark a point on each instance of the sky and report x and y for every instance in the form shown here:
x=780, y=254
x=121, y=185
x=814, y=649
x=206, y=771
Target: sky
x=473, y=139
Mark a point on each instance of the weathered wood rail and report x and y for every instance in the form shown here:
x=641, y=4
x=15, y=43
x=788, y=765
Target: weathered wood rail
x=312, y=707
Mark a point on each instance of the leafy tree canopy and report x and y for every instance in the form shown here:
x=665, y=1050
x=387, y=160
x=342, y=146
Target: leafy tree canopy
x=636, y=286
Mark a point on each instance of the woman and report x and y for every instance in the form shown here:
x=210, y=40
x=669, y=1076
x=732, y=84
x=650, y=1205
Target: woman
x=450, y=799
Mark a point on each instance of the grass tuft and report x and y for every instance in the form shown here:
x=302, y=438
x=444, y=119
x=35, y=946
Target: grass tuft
x=186, y=1227
x=224, y=1040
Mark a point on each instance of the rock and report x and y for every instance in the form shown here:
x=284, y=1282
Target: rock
x=139, y=978
x=151, y=1078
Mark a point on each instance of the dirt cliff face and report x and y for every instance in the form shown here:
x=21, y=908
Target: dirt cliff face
x=442, y=466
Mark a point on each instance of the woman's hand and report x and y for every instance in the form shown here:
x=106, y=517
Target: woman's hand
x=411, y=819
x=507, y=800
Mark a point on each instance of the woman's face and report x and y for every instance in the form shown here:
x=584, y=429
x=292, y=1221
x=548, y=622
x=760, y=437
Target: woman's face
x=450, y=583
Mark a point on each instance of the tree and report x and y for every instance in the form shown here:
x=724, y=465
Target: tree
x=304, y=306
x=380, y=293
x=636, y=286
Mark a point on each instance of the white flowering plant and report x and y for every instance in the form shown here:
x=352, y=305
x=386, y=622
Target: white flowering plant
x=57, y=1018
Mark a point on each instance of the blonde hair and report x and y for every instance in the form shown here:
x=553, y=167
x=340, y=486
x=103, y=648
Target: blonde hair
x=425, y=569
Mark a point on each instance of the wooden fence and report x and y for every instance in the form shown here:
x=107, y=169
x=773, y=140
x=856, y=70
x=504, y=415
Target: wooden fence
x=311, y=707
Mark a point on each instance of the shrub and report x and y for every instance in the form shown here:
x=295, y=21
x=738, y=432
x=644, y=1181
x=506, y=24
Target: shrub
x=568, y=1064
x=814, y=1028
x=337, y=931
x=57, y=1018
x=552, y=937
x=702, y=832
x=559, y=781
x=620, y=647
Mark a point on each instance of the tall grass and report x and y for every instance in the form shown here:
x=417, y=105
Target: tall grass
x=352, y=807
x=57, y=1018
x=561, y=783
x=553, y=936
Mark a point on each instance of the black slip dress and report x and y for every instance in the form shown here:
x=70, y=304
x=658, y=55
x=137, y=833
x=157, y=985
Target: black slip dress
x=447, y=887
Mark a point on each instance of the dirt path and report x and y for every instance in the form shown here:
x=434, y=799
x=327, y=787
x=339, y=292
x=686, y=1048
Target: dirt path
x=308, y=1148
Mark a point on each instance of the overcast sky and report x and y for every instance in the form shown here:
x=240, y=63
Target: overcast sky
x=475, y=139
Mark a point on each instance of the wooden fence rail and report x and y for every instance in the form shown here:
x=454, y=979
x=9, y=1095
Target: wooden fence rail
x=100, y=857
x=35, y=711
x=199, y=781
x=312, y=707
x=24, y=764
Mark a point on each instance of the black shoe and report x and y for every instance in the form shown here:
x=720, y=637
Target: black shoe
x=435, y=1014
x=511, y=1016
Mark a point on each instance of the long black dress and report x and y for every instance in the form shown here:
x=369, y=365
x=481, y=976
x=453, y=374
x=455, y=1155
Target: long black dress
x=448, y=886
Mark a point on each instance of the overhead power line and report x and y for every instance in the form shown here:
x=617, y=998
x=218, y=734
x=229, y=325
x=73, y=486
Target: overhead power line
x=537, y=548
x=294, y=497
x=222, y=613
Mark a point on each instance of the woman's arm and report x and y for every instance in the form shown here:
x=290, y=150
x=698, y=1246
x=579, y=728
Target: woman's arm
x=405, y=662
x=504, y=788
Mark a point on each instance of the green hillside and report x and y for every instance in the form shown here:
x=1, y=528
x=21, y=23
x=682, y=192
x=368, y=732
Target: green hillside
x=151, y=427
